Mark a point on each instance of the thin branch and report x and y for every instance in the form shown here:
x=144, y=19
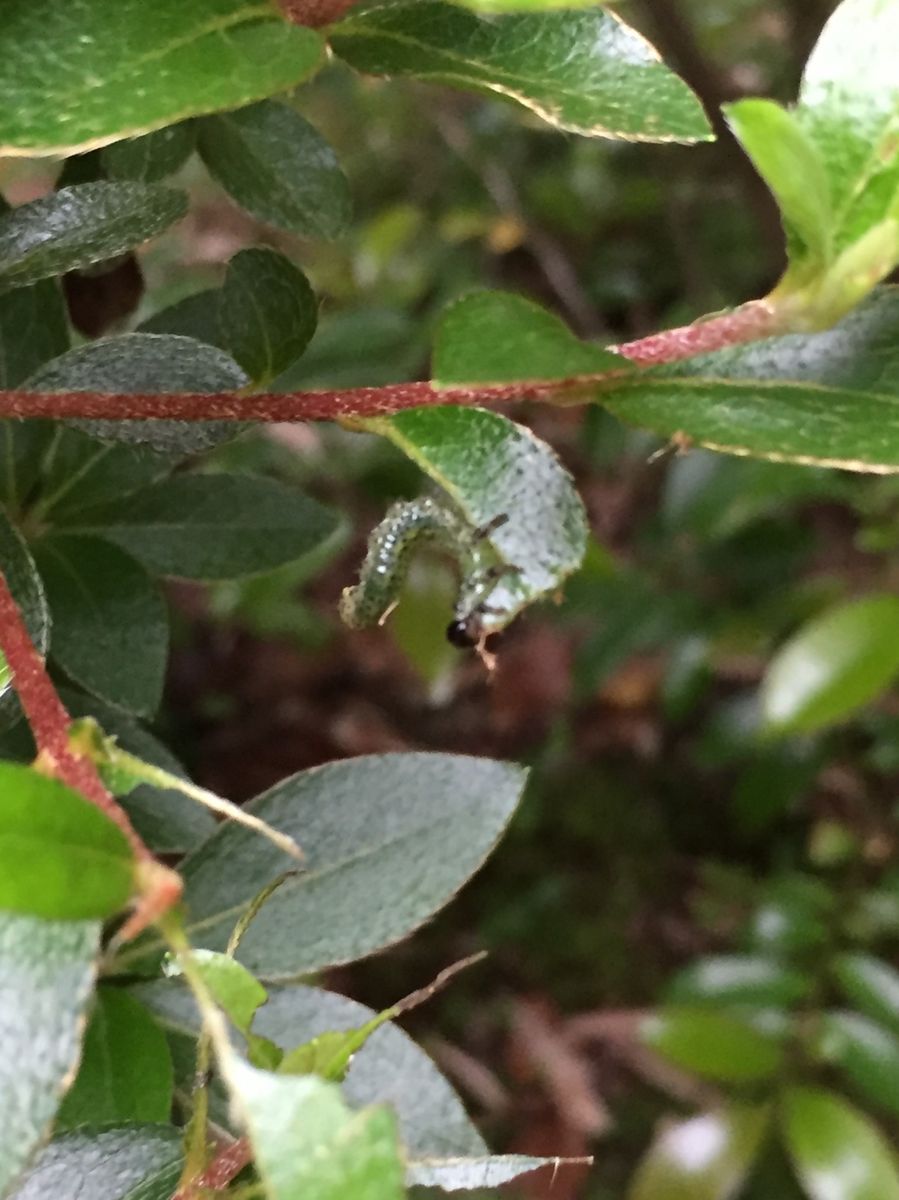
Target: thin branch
x=749, y=322
x=49, y=720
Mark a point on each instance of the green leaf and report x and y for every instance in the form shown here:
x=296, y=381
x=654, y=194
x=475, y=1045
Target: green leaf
x=151, y=157
x=267, y=313
x=28, y=590
x=33, y=329
x=498, y=337
x=836, y=1152
x=790, y=164
x=110, y=625
x=849, y=107
x=126, y=1069
x=865, y=1053
x=81, y=225
x=195, y=316
x=871, y=984
x=830, y=399
x=389, y=1069
x=277, y=167
x=329, y=1054
x=78, y=471
x=212, y=526
x=585, y=72
x=490, y=466
x=130, y=1163
x=308, y=1145
x=505, y=6
x=239, y=994
x=836, y=663
x=169, y=823
x=706, y=1157
x=141, y=363
x=388, y=840
x=148, y=67
x=60, y=857
x=52, y=963
x=738, y=979
x=714, y=1045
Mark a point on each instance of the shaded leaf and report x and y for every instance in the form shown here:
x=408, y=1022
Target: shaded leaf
x=389, y=1069
x=465, y=1174
x=78, y=471
x=498, y=337
x=830, y=399
x=195, y=316
x=836, y=1152
x=865, y=1053
x=78, y=226
x=491, y=467
x=148, y=66
x=60, y=856
x=126, y=1070
x=110, y=625
x=584, y=71
x=706, y=1157
x=33, y=329
x=833, y=665
x=738, y=979
x=871, y=984
x=388, y=840
x=53, y=964
x=151, y=157
x=715, y=1045
x=130, y=1163
x=213, y=526
x=307, y=1143
x=267, y=312
x=278, y=167
x=140, y=363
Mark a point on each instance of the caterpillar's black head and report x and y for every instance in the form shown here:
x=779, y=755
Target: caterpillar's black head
x=466, y=632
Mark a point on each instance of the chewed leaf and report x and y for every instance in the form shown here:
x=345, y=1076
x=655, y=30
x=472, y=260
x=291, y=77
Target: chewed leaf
x=492, y=468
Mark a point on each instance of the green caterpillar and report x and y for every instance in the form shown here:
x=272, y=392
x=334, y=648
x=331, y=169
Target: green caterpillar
x=390, y=546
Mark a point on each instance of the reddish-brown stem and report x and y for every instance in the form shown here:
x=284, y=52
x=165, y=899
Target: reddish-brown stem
x=49, y=720
x=314, y=13
x=227, y=1164
x=748, y=323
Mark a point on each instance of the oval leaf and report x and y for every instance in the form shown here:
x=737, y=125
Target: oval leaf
x=491, y=467
x=704, y=1158
x=144, y=362
x=277, y=167
x=498, y=337
x=81, y=225
x=865, y=1053
x=388, y=840
x=126, y=1069
x=586, y=72
x=871, y=985
x=832, y=666
x=714, y=1045
x=60, y=857
x=152, y=156
x=830, y=399
x=835, y=1151
x=52, y=963
x=738, y=979
x=110, y=624
x=148, y=67
x=132, y=1162
x=211, y=526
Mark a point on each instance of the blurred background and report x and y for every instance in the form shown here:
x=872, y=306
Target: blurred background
x=659, y=826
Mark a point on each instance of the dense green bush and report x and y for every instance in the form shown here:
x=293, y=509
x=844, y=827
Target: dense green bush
x=164, y=1031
